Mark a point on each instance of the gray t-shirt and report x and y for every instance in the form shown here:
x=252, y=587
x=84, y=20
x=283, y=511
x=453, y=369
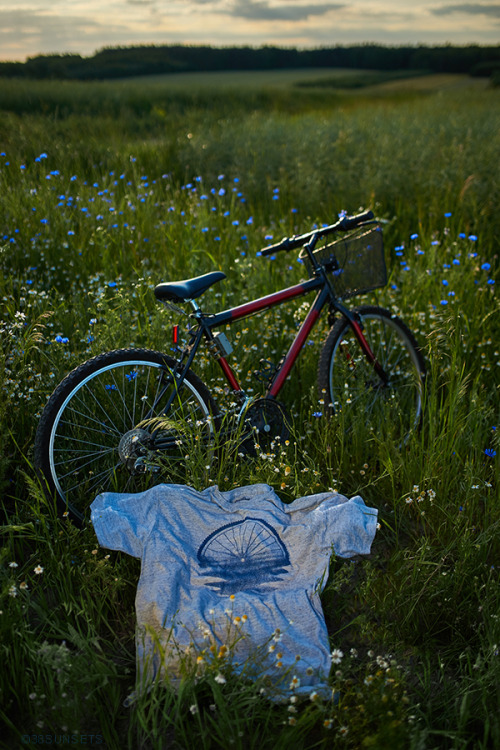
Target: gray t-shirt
x=233, y=576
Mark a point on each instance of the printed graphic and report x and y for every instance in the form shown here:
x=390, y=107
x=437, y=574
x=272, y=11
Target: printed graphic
x=245, y=555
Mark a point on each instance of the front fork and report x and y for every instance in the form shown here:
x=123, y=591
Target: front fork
x=356, y=323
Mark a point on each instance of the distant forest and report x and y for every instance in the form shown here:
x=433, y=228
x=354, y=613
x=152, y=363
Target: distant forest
x=123, y=62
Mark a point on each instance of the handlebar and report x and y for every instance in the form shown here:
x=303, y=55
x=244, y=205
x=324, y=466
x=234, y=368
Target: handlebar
x=344, y=224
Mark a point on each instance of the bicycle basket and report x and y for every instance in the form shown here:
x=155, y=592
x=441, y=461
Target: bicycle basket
x=355, y=263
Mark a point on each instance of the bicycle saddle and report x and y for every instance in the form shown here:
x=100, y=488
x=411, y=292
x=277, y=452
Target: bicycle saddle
x=183, y=291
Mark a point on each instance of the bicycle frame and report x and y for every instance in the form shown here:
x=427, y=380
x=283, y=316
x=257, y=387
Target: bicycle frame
x=205, y=324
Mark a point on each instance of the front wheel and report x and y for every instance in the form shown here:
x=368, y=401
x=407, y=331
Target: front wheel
x=106, y=427
x=388, y=402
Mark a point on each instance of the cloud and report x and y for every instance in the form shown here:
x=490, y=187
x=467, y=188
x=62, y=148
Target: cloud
x=260, y=10
x=492, y=10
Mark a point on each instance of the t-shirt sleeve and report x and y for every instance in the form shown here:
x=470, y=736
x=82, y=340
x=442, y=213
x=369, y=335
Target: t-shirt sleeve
x=349, y=525
x=123, y=521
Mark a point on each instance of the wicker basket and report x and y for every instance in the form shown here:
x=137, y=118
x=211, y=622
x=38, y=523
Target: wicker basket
x=355, y=262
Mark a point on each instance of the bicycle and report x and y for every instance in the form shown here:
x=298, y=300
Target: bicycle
x=119, y=420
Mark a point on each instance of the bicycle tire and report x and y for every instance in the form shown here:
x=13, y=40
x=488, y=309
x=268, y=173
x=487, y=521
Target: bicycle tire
x=95, y=429
x=351, y=387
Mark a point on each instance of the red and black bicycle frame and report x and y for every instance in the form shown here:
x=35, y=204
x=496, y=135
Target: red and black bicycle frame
x=205, y=324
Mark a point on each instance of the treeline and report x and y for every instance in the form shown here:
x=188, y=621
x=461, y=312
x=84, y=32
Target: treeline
x=123, y=62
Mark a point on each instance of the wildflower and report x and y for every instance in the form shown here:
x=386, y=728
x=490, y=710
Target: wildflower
x=343, y=730
x=328, y=723
x=13, y=591
x=292, y=721
x=337, y=655
x=490, y=452
x=193, y=709
x=292, y=709
x=32, y=696
x=13, y=565
x=38, y=570
x=295, y=682
x=23, y=585
x=220, y=679
x=313, y=696
x=354, y=652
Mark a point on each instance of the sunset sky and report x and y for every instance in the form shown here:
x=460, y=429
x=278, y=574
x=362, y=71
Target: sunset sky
x=30, y=27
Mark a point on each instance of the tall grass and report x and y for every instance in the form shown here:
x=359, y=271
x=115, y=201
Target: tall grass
x=96, y=209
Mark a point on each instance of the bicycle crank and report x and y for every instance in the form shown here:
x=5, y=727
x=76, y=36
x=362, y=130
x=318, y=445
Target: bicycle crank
x=269, y=423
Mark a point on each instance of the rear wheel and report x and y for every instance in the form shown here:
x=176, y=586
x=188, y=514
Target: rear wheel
x=105, y=427
x=351, y=387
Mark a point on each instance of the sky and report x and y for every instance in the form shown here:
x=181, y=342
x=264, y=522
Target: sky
x=31, y=27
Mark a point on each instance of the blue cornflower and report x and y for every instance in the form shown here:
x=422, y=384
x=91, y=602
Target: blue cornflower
x=473, y=237
x=448, y=214
x=462, y=235
x=112, y=283
x=435, y=242
x=444, y=282
x=456, y=262
x=413, y=236
x=490, y=452
x=485, y=267
x=491, y=282
x=444, y=302
x=317, y=414
x=220, y=177
x=222, y=191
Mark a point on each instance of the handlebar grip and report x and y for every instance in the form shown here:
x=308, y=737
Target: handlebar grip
x=270, y=249
x=351, y=222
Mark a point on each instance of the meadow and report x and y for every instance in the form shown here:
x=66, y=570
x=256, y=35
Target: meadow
x=108, y=189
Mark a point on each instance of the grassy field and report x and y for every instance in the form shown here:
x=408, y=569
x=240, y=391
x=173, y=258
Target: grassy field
x=108, y=189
